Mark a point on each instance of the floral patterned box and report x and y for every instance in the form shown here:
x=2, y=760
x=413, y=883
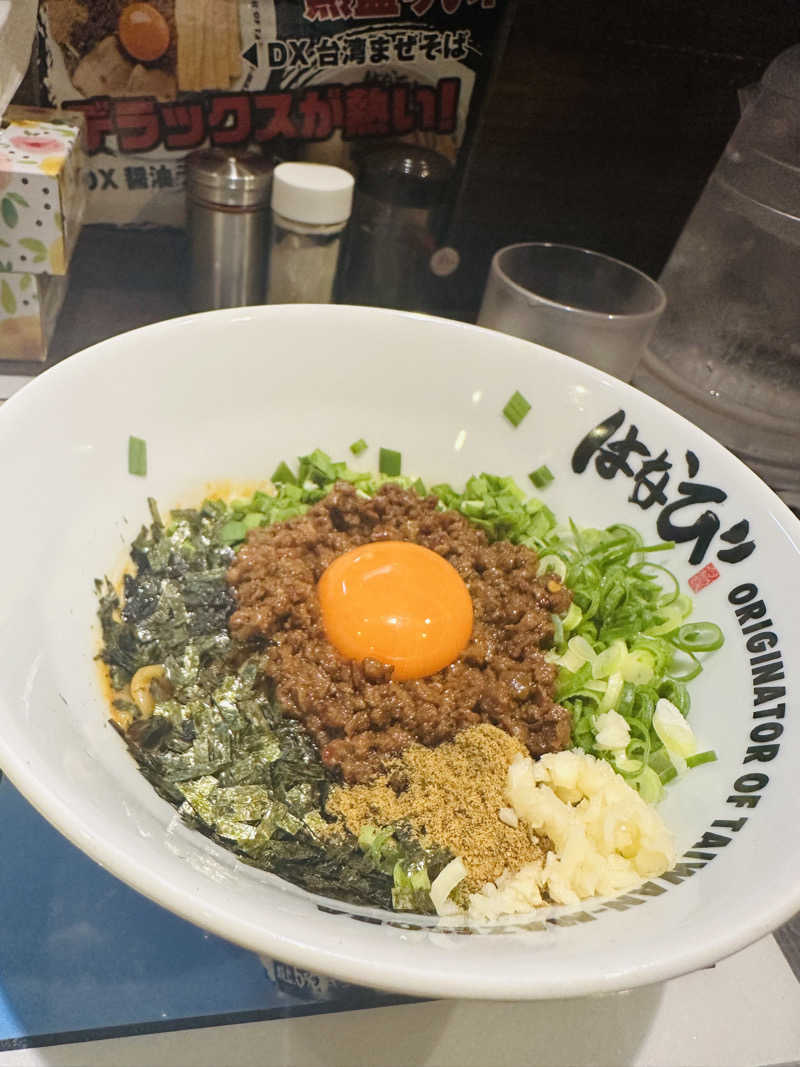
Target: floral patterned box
x=29, y=307
x=42, y=189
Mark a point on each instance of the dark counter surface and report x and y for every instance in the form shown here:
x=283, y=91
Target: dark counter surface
x=118, y=280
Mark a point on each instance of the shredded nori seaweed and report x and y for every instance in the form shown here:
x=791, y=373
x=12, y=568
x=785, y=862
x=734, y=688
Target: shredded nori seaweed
x=216, y=745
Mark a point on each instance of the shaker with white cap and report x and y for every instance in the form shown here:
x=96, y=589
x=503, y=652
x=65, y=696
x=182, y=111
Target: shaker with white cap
x=311, y=205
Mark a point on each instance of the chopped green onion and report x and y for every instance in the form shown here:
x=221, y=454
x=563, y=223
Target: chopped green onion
x=400, y=876
x=137, y=456
x=698, y=637
x=701, y=757
x=318, y=469
x=673, y=730
x=610, y=660
x=541, y=477
x=419, y=487
x=571, y=682
x=676, y=693
x=573, y=617
x=684, y=668
x=516, y=409
x=580, y=647
x=155, y=514
x=637, y=753
x=390, y=462
x=283, y=473
x=659, y=760
x=418, y=876
x=626, y=700
x=233, y=531
x=628, y=611
x=613, y=692
x=379, y=845
x=552, y=565
x=649, y=785
x=473, y=508
x=639, y=666
x=358, y=446
x=366, y=836
x=261, y=502
x=414, y=877
x=673, y=615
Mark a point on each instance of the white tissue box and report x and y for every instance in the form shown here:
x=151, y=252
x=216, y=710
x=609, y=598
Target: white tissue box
x=42, y=189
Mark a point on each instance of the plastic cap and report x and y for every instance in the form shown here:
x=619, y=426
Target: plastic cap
x=312, y=192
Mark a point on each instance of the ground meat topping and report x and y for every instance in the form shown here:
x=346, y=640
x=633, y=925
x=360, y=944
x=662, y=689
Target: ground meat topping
x=356, y=714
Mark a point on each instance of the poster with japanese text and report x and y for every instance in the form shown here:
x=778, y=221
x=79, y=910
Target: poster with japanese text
x=317, y=80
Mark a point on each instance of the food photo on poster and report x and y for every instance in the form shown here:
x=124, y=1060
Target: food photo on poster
x=318, y=81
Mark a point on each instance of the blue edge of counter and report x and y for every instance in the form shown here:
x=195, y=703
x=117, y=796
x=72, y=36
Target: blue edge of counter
x=83, y=957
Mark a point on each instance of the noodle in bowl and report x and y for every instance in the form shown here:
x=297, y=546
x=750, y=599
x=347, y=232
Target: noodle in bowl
x=228, y=395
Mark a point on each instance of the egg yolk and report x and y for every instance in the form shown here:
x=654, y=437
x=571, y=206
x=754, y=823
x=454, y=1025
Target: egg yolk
x=398, y=603
x=144, y=32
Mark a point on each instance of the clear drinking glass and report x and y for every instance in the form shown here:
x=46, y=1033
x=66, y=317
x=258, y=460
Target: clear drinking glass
x=578, y=302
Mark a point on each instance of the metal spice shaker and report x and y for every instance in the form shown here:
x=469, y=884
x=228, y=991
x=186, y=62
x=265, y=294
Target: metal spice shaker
x=227, y=199
x=395, y=229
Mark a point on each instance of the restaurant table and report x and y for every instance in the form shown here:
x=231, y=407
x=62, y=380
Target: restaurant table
x=93, y=973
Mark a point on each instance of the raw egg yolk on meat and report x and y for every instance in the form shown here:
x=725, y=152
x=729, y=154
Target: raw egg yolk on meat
x=144, y=32
x=397, y=603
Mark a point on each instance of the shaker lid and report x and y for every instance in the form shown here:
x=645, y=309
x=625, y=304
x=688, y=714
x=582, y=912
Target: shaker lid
x=405, y=174
x=227, y=178
x=313, y=193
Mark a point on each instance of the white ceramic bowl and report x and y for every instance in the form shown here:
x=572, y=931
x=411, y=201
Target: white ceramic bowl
x=227, y=395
